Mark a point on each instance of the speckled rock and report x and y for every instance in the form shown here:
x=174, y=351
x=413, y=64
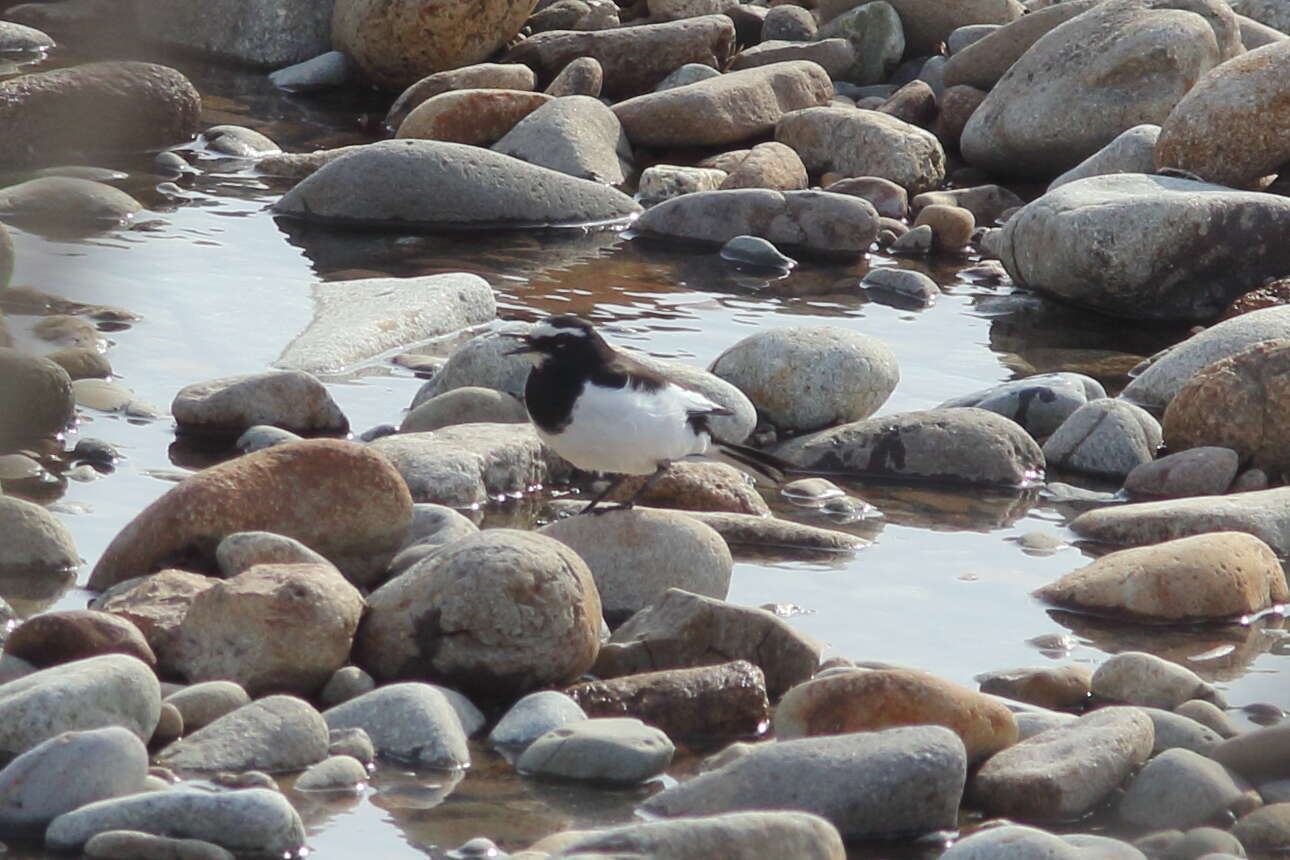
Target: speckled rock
x=806, y=378
x=1210, y=576
x=969, y=446
x=398, y=43
x=413, y=724
x=275, y=734
x=872, y=700
x=696, y=486
x=451, y=617
x=817, y=220
x=502, y=76
x=890, y=783
x=1104, y=437
x=474, y=186
x=340, y=499
x=1139, y=678
x=637, y=555
x=864, y=143
x=1065, y=772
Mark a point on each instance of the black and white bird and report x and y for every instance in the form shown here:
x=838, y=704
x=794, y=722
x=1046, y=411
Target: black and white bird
x=604, y=411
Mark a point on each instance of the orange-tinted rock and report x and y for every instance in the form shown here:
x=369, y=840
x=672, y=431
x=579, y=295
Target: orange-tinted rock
x=698, y=486
x=865, y=701
x=61, y=637
x=769, y=165
x=155, y=604
x=1270, y=295
x=478, y=117
x=340, y=499
x=1047, y=687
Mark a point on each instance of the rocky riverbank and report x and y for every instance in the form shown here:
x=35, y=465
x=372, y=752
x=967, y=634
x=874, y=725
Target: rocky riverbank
x=320, y=597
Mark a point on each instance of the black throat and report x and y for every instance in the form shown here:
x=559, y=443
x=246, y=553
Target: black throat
x=553, y=386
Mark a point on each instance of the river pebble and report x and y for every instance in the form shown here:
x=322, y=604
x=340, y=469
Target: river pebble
x=293, y=400
x=36, y=399
x=635, y=556
x=1263, y=513
x=135, y=845
x=75, y=634
x=1139, y=678
x=533, y=716
x=582, y=76
x=685, y=629
x=1260, y=755
x=241, y=551
x=875, y=31
x=696, y=486
x=864, y=143
x=889, y=783
x=788, y=22
x=1065, y=772
x=1132, y=151
x=873, y=700
x=276, y=734
x=347, y=682
x=409, y=723
x=156, y=604
x=576, y=135
x=610, y=750
x=1039, y=403
x=889, y=199
x=341, y=499
x=1264, y=830
x=1175, y=730
x=1206, y=470
x=352, y=742
x=503, y=76
x=1178, y=789
x=37, y=555
x=479, y=117
x=903, y=284
x=335, y=773
x=1065, y=687
x=837, y=375
x=756, y=252
x=204, y=703
x=478, y=639
x=324, y=72
x=272, y=628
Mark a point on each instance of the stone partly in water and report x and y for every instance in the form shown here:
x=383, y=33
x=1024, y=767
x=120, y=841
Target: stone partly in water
x=1225, y=129
x=1146, y=247
x=813, y=220
x=799, y=835
x=533, y=716
x=969, y=446
x=635, y=556
x=1210, y=576
x=878, y=699
x=95, y=108
x=633, y=59
x=338, y=498
x=38, y=557
x=614, y=751
x=1264, y=514
x=864, y=143
x=454, y=618
x=290, y=399
x=806, y=378
x=324, y=72
x=1239, y=403
x=469, y=404
x=1038, y=403
x=256, y=33
x=397, y=43
x=380, y=184
x=35, y=395
x=411, y=724
x=1117, y=65
x=736, y=106
x=1139, y=678
x=870, y=785
x=67, y=203
x=1104, y=437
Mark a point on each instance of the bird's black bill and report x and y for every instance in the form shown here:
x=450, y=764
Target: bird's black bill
x=527, y=346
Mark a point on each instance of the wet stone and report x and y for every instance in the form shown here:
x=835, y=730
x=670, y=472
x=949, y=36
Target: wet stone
x=1039, y=403
x=612, y=750
x=409, y=723
x=335, y=773
x=903, y=283
x=37, y=555
x=352, y=742
x=916, y=241
x=533, y=716
x=263, y=436
x=755, y=252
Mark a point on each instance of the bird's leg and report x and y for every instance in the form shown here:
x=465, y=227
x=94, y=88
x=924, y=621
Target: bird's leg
x=648, y=482
x=613, y=485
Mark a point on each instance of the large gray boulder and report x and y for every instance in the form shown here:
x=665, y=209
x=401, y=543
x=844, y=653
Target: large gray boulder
x=864, y=143
x=429, y=183
x=256, y=33
x=1120, y=64
x=1146, y=247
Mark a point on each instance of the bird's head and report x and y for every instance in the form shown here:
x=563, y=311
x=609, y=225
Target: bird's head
x=565, y=337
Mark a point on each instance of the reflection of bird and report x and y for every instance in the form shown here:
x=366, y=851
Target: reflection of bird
x=603, y=411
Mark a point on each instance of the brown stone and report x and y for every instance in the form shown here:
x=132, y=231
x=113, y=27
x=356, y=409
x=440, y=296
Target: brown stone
x=155, y=604
x=275, y=628
x=1241, y=402
x=914, y=103
x=582, y=77
x=634, y=59
x=94, y=109
x=1063, y=687
x=958, y=103
x=476, y=117
x=865, y=701
x=340, y=499
x=769, y=165
x=1261, y=755
x=1207, y=576
x=684, y=629
x=697, y=486
x=1230, y=127
x=82, y=362
x=1270, y=295
x=726, y=700
x=952, y=226
x=735, y=107
x=481, y=76
x=61, y=637
x=888, y=198
x=987, y=203
x=399, y=42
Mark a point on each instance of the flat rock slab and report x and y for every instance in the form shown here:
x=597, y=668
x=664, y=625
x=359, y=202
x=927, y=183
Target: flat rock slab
x=276, y=734
x=613, y=750
x=1264, y=514
x=1146, y=247
x=388, y=183
x=355, y=321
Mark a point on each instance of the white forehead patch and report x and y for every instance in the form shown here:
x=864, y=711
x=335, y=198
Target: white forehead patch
x=544, y=329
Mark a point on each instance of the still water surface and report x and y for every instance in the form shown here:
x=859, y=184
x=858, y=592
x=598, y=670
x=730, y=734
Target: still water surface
x=221, y=288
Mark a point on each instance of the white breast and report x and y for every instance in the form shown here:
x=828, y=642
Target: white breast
x=630, y=431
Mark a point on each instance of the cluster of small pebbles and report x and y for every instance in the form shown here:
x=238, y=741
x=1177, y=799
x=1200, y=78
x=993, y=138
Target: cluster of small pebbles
x=325, y=599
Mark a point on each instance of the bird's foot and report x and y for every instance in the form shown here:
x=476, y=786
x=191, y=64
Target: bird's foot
x=596, y=510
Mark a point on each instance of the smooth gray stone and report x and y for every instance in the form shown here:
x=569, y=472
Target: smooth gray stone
x=238, y=141
x=276, y=734
x=134, y=845
x=335, y=773
x=611, y=750
x=1178, y=789
x=779, y=834
x=411, y=723
x=18, y=37
x=1031, y=724
x=905, y=283
x=378, y=184
x=291, y=399
x=1132, y=151
x=204, y=703
x=38, y=556
x=1205, y=471
x=1104, y=437
x=881, y=784
x=243, y=550
x=67, y=772
x=469, y=404
x=256, y=821
x=257, y=33
x=690, y=73
x=1144, y=679
x=1264, y=514
x=324, y=72
x=533, y=716
x=577, y=135
x=1174, y=730
x=263, y=436
x=352, y=742
x=1094, y=847
x=1013, y=842
x=967, y=34
x=1039, y=403
x=348, y=682
x=756, y=251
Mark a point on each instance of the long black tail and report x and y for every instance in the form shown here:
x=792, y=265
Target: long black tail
x=766, y=465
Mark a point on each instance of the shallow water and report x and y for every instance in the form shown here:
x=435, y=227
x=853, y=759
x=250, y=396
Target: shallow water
x=221, y=289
